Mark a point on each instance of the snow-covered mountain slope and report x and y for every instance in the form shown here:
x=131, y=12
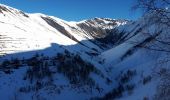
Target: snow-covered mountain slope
x=38, y=31
x=137, y=63
x=47, y=58
x=26, y=36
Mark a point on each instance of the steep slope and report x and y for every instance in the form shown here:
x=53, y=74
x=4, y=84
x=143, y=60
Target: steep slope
x=44, y=57
x=37, y=50
x=137, y=64
x=37, y=31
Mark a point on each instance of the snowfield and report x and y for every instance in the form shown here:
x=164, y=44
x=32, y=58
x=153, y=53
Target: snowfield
x=46, y=58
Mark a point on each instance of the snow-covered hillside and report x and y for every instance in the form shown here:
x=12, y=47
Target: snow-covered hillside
x=24, y=32
x=46, y=58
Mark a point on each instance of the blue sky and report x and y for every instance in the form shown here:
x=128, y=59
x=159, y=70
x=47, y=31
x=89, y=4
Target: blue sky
x=75, y=10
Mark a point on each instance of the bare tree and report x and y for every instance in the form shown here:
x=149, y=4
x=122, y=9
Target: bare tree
x=159, y=8
x=159, y=13
x=163, y=89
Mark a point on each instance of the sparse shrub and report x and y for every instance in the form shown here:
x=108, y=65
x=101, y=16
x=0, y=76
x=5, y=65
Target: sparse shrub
x=38, y=72
x=115, y=93
x=130, y=88
x=102, y=61
x=16, y=63
x=38, y=69
x=108, y=81
x=145, y=98
x=5, y=64
x=72, y=66
x=76, y=70
x=163, y=88
x=146, y=79
x=26, y=89
x=7, y=71
x=123, y=86
x=127, y=76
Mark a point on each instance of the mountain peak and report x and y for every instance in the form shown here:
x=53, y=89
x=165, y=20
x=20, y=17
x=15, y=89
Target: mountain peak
x=3, y=8
x=104, y=23
x=6, y=10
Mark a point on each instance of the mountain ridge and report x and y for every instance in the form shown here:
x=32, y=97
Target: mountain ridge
x=81, y=30
x=44, y=57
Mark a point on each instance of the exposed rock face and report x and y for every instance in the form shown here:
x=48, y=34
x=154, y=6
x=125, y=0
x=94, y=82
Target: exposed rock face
x=21, y=28
x=98, y=27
